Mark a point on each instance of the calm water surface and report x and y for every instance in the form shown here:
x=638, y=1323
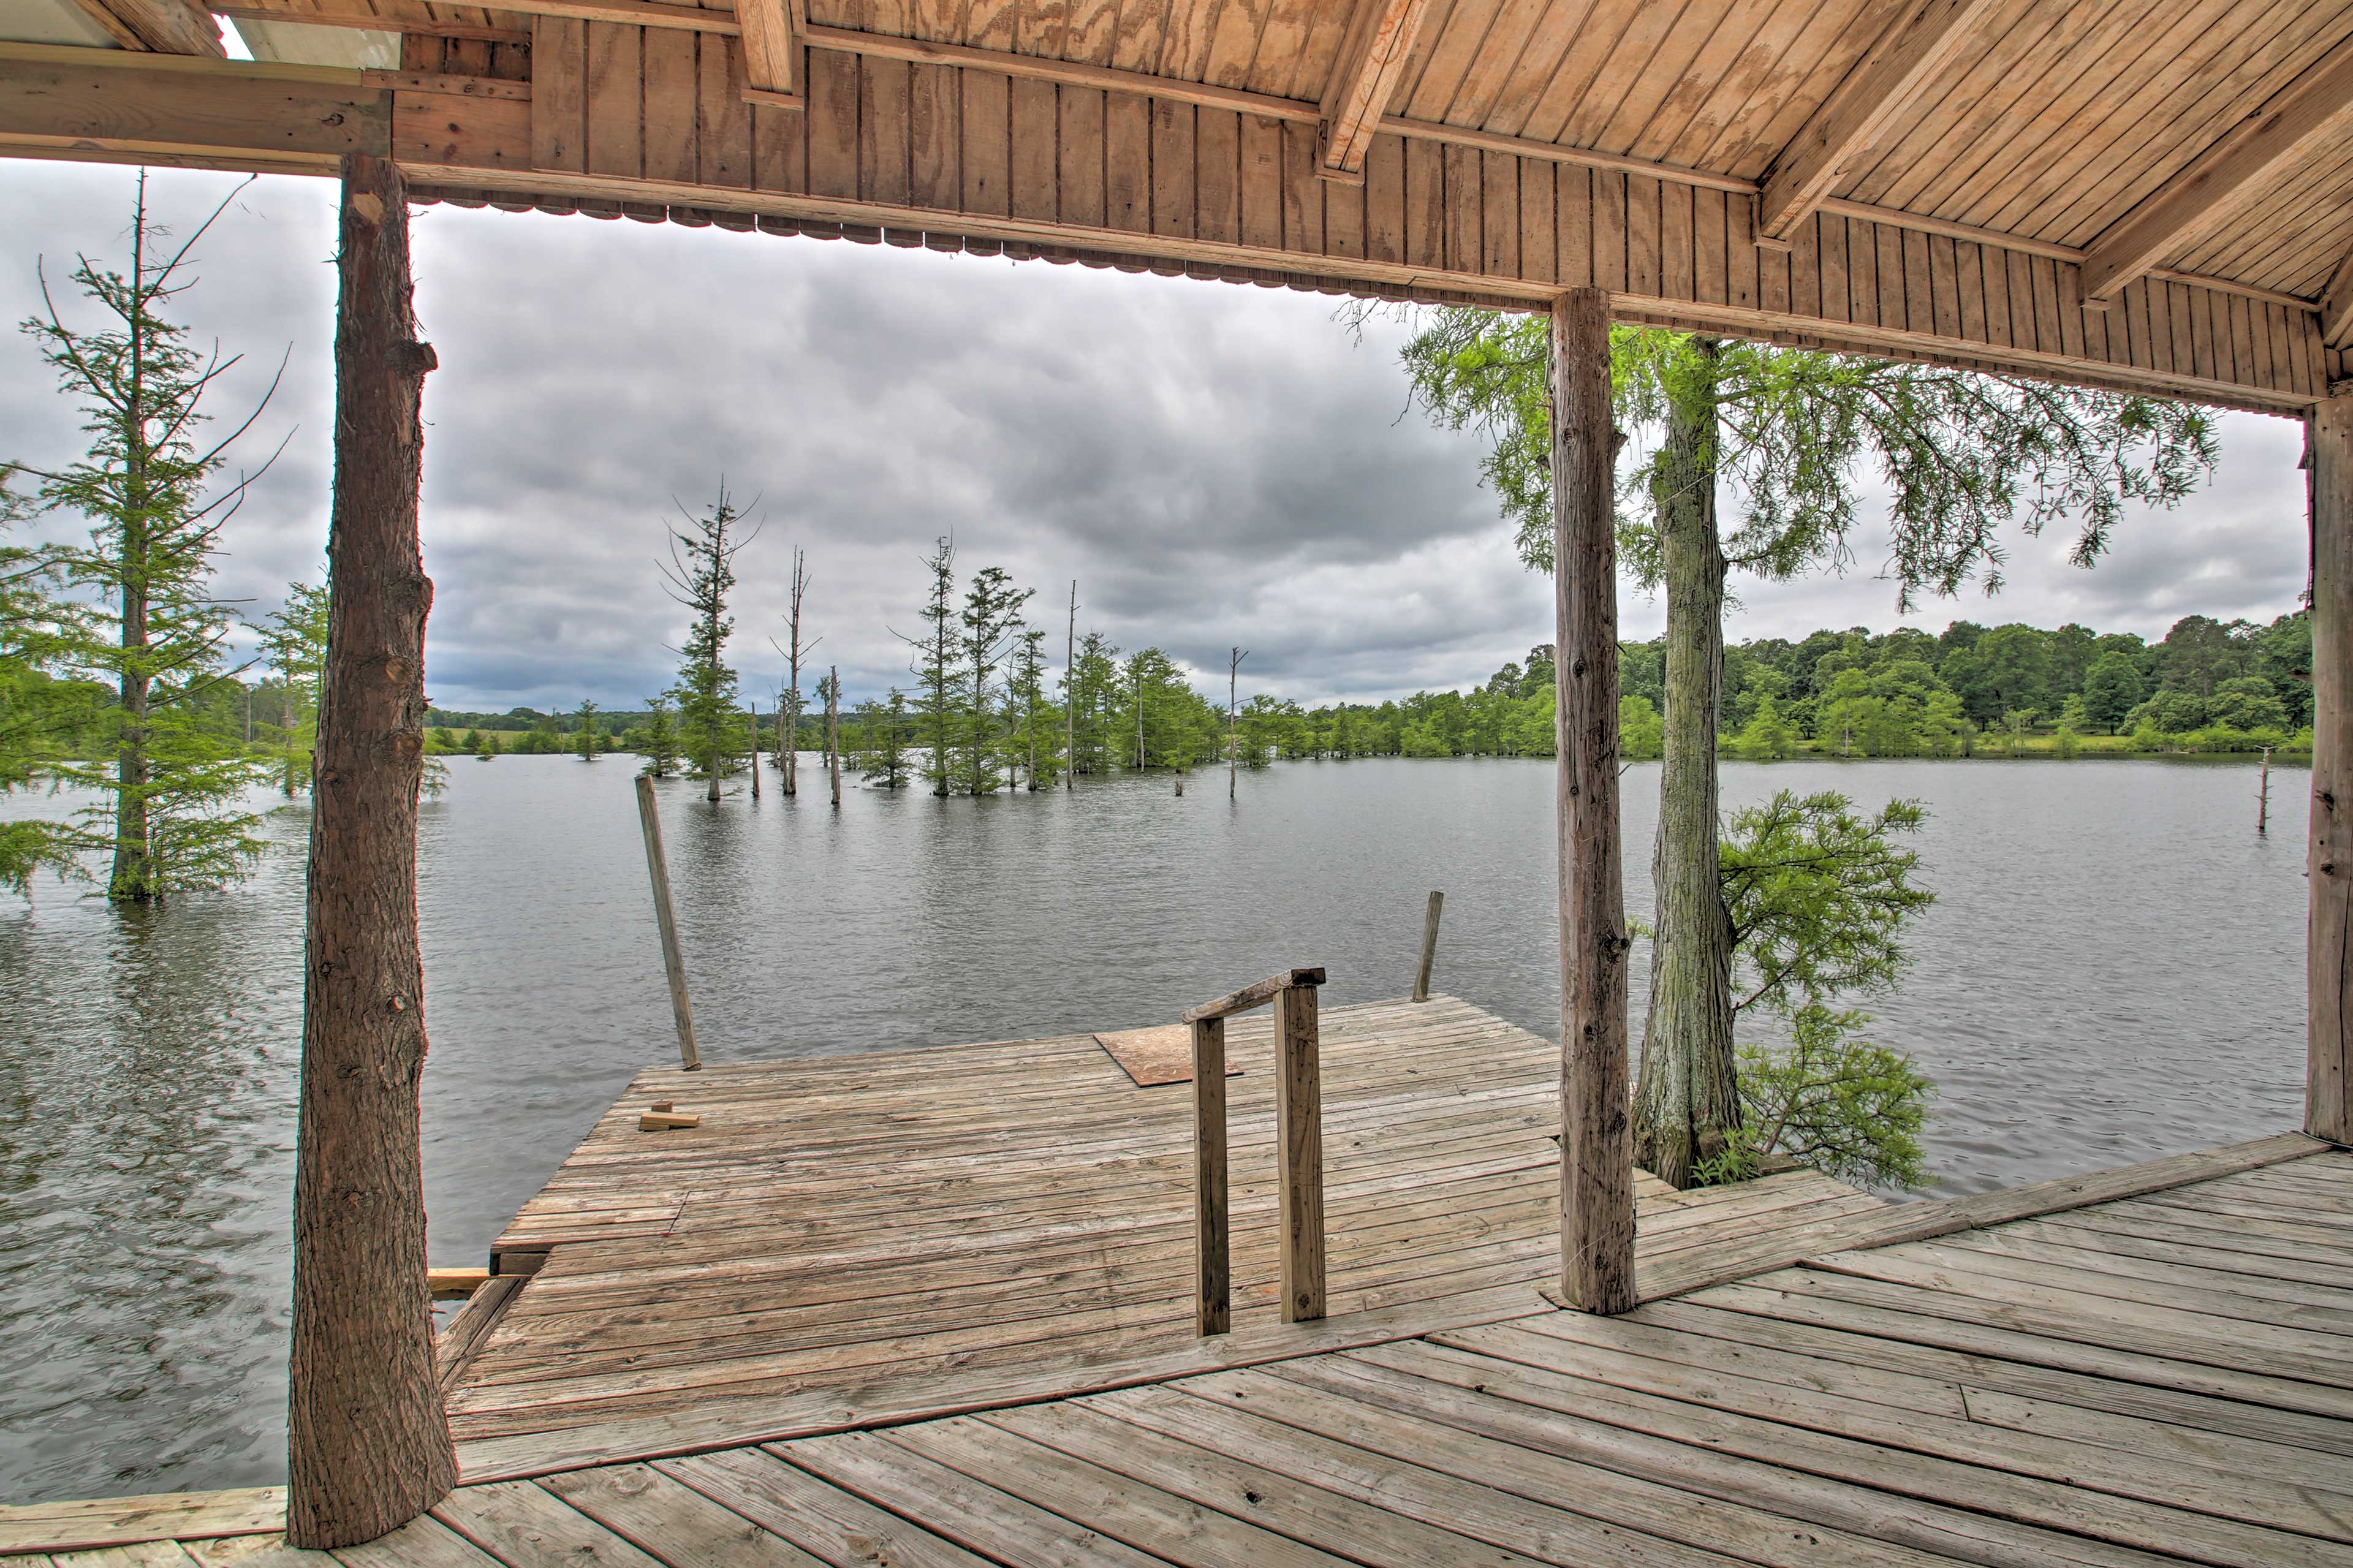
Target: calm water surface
x=2114, y=971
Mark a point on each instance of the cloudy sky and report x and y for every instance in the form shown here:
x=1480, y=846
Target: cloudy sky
x=1214, y=465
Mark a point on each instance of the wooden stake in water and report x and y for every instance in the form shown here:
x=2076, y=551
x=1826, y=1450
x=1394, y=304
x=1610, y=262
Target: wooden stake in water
x=1428, y=947
x=2263, y=801
x=1233, y=678
x=753, y=713
x=1071, y=695
x=674, y=961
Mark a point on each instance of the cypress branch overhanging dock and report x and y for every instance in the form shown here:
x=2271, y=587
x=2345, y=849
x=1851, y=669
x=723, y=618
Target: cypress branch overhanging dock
x=932, y=1308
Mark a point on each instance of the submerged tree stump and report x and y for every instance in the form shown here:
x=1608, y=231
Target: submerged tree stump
x=367, y=1444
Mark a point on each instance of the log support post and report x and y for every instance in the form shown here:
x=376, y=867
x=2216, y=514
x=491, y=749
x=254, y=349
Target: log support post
x=1213, y=1310
x=367, y=1442
x=2328, y=1070
x=1597, y=1148
x=1299, y=1123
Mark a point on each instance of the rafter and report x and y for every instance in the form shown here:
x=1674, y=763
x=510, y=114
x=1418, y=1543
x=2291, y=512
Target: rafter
x=2295, y=122
x=165, y=26
x=1373, y=53
x=1888, y=78
x=2337, y=305
x=775, y=34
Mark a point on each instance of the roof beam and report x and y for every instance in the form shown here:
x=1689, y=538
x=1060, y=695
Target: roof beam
x=1373, y=53
x=1888, y=80
x=2314, y=108
x=2337, y=305
x=774, y=32
x=165, y=26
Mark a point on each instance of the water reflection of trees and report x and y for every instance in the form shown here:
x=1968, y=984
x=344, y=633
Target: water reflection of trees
x=147, y=1078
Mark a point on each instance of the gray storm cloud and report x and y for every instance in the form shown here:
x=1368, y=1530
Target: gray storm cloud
x=1215, y=465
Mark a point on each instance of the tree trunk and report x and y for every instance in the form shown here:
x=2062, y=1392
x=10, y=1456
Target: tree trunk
x=833, y=731
x=2329, y=1070
x=367, y=1445
x=1688, y=1100
x=132, y=877
x=1596, y=1163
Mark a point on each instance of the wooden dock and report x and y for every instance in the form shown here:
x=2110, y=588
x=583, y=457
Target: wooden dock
x=934, y=1309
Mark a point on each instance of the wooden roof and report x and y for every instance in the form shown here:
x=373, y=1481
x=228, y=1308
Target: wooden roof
x=2148, y=195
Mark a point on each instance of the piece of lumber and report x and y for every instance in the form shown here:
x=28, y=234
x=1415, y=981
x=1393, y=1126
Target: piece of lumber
x=83, y=1525
x=1254, y=996
x=1157, y=1055
x=666, y=1122
x=1428, y=947
x=1212, y=1260
x=774, y=32
x=2337, y=305
x=166, y=26
x=2311, y=113
x=1887, y=79
x=1372, y=55
x=455, y=1284
x=455, y=1347
x=1299, y=1122
x=673, y=959
x=670, y=1520
x=275, y=118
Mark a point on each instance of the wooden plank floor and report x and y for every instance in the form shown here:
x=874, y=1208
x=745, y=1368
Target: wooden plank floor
x=858, y=1240
x=2162, y=1377
x=930, y=1311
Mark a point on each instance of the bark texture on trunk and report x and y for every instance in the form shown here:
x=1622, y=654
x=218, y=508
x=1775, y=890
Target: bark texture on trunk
x=1596, y=1160
x=1688, y=1100
x=2329, y=1071
x=367, y=1444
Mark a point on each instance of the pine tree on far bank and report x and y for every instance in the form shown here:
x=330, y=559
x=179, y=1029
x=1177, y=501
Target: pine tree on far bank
x=701, y=572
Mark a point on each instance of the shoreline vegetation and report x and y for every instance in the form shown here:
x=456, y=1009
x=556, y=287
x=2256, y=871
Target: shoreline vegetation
x=2004, y=692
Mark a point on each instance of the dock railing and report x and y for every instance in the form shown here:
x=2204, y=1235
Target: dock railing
x=1299, y=1145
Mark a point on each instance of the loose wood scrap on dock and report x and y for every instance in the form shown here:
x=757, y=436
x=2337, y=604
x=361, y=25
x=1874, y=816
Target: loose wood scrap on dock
x=854, y=1240
x=1162, y=1054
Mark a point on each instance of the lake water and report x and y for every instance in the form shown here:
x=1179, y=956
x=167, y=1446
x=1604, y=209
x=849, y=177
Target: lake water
x=2114, y=971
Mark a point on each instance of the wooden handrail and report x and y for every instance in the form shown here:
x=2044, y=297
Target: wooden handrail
x=1299, y=1121
x=1250, y=996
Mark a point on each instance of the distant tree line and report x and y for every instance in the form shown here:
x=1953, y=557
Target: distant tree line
x=2209, y=686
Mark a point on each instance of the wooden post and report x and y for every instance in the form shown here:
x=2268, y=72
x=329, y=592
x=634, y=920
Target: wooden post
x=674, y=961
x=833, y=729
x=1071, y=696
x=1298, y=1126
x=1597, y=1147
x=1212, y=1265
x=2264, y=798
x=2328, y=963
x=367, y=1443
x=1429, y=946
x=1233, y=748
x=751, y=712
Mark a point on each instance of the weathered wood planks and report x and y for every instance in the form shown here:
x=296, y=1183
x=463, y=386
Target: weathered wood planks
x=855, y=1239
x=2160, y=1372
